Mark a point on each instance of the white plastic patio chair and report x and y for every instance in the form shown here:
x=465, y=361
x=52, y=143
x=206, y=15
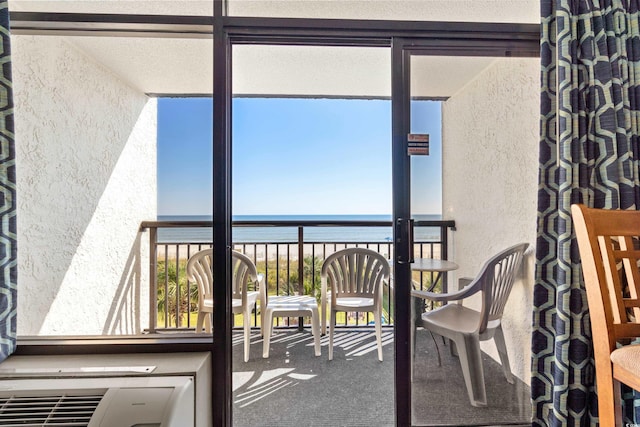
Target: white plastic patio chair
x=466, y=327
x=200, y=271
x=355, y=277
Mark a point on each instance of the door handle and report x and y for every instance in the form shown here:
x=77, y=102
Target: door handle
x=404, y=231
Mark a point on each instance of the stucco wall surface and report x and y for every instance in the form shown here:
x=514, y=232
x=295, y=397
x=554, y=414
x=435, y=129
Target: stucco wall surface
x=490, y=164
x=86, y=162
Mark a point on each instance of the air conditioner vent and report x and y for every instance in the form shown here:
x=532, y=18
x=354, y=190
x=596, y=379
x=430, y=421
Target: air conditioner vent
x=54, y=410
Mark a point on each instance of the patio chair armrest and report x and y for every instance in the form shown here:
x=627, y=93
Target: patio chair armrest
x=433, y=296
x=471, y=289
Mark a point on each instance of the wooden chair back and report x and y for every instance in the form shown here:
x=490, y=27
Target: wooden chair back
x=609, y=244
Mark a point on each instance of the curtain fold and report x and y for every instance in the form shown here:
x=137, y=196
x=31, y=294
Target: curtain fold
x=8, y=242
x=590, y=118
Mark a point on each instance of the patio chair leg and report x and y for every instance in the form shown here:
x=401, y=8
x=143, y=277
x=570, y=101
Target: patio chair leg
x=315, y=329
x=471, y=362
x=247, y=334
x=332, y=321
x=498, y=337
x=208, y=323
x=262, y=318
x=206, y=319
x=268, y=315
x=200, y=321
x=378, y=325
x=435, y=341
x=323, y=317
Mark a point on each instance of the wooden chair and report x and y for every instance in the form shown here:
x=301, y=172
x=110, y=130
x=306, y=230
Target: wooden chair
x=609, y=244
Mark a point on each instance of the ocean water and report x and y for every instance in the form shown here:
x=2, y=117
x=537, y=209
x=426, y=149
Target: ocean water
x=290, y=234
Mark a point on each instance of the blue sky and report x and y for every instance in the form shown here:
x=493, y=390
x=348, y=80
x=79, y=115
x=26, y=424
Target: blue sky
x=294, y=156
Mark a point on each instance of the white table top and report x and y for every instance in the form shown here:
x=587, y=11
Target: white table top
x=430, y=264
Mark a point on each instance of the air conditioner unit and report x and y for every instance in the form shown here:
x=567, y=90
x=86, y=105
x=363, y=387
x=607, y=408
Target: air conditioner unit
x=98, y=402
x=150, y=401
x=107, y=390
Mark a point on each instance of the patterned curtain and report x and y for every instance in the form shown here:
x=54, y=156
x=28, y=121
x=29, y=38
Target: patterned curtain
x=8, y=248
x=590, y=127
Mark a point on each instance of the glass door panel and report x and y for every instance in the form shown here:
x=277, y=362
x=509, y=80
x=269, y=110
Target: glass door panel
x=479, y=116
x=311, y=175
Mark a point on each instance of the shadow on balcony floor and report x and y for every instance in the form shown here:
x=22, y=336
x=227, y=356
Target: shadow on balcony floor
x=295, y=388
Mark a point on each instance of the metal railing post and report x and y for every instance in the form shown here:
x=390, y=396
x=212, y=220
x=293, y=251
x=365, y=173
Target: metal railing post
x=153, y=278
x=178, y=293
x=444, y=234
x=300, y=270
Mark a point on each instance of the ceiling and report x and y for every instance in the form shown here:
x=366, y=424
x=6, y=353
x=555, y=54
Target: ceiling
x=185, y=65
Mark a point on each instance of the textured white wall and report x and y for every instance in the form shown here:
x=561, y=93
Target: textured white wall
x=86, y=162
x=490, y=163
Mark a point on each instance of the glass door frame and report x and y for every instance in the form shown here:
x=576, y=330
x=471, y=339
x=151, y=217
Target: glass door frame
x=402, y=235
x=404, y=39
x=403, y=49
x=223, y=204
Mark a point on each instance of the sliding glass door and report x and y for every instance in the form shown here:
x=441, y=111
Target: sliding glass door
x=289, y=91
x=470, y=118
x=311, y=176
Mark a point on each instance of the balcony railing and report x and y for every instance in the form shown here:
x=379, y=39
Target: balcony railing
x=276, y=247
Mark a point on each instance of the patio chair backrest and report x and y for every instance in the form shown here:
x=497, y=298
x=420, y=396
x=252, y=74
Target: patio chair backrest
x=496, y=280
x=355, y=272
x=200, y=270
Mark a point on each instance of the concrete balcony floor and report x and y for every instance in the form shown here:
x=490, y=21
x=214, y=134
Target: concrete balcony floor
x=294, y=388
